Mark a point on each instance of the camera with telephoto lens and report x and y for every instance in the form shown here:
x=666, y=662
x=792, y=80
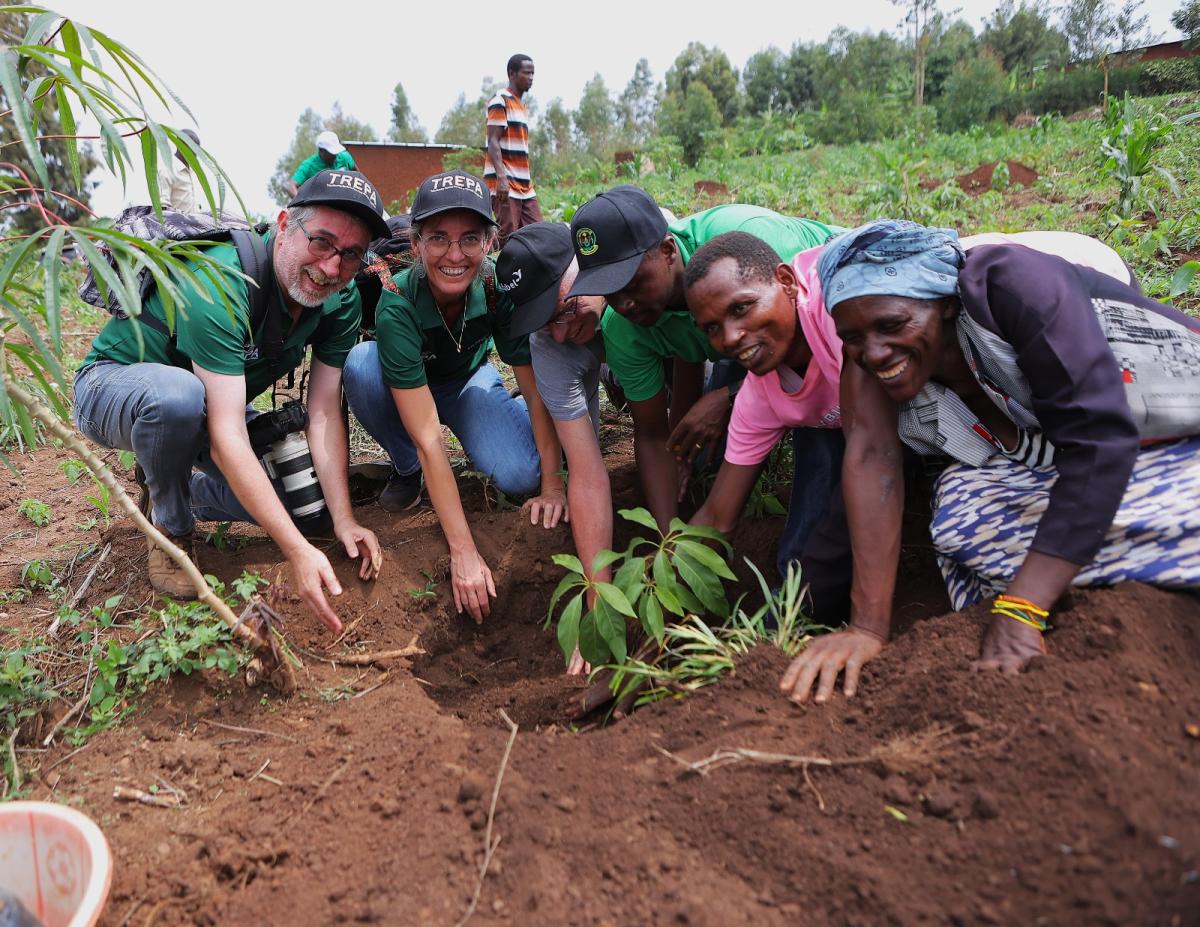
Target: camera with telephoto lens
x=278, y=438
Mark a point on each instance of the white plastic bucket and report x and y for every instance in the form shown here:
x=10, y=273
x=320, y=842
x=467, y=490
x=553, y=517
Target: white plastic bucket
x=56, y=861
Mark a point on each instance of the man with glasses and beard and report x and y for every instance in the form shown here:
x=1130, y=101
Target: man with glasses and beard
x=179, y=399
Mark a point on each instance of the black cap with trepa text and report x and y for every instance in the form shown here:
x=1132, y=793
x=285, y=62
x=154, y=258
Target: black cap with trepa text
x=530, y=270
x=452, y=190
x=348, y=191
x=611, y=233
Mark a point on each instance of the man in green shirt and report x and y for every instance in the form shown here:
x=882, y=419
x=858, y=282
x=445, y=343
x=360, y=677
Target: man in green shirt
x=179, y=400
x=628, y=253
x=331, y=154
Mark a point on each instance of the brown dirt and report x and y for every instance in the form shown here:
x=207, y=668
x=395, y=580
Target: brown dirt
x=1063, y=796
x=711, y=190
x=980, y=180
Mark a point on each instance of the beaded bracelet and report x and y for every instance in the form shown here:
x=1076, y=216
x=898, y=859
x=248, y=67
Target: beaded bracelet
x=1021, y=610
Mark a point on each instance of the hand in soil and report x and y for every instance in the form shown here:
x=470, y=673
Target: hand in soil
x=704, y=423
x=359, y=540
x=1008, y=646
x=473, y=585
x=549, y=508
x=824, y=659
x=313, y=575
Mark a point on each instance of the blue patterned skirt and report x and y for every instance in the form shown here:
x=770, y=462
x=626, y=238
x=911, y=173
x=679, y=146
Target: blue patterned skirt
x=984, y=519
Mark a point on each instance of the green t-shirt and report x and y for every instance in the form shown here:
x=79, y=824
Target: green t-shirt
x=313, y=165
x=636, y=352
x=205, y=333
x=415, y=347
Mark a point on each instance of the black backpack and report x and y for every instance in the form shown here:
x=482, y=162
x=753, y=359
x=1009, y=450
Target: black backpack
x=142, y=222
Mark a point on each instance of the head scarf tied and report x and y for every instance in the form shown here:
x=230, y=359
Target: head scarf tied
x=890, y=257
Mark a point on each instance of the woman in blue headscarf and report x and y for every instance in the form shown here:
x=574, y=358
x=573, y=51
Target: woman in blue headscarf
x=1069, y=402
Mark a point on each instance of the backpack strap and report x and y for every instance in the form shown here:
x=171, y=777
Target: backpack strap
x=256, y=264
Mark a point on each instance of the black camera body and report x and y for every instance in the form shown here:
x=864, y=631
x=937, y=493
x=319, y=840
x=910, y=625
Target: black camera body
x=278, y=438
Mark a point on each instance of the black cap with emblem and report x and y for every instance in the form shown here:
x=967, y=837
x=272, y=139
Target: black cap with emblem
x=612, y=233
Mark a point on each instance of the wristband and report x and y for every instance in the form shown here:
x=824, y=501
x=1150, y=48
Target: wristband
x=1021, y=610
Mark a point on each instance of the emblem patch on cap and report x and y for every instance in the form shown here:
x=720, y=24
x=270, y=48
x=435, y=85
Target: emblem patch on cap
x=585, y=239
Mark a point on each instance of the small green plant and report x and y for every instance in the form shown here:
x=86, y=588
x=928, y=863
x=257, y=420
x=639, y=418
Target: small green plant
x=126, y=459
x=35, y=510
x=1001, y=177
x=102, y=500
x=693, y=654
x=429, y=591
x=73, y=470
x=677, y=574
x=38, y=575
x=1130, y=149
x=218, y=537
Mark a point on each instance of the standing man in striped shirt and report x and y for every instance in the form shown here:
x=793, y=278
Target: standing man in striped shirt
x=506, y=167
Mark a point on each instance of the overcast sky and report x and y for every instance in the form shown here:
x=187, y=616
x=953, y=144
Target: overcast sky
x=247, y=69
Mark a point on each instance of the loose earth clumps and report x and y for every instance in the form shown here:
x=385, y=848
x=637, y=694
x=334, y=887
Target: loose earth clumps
x=1065, y=796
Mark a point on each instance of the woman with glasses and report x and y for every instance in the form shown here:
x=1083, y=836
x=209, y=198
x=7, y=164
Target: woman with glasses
x=436, y=323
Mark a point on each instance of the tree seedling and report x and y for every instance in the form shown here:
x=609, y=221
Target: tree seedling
x=35, y=510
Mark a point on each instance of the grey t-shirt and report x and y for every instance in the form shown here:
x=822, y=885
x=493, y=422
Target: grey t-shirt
x=568, y=376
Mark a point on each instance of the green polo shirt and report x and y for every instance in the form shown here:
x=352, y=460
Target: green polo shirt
x=415, y=347
x=206, y=335
x=313, y=165
x=636, y=352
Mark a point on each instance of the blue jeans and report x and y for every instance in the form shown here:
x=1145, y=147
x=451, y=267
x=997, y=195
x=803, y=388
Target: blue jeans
x=494, y=428
x=158, y=412
x=816, y=534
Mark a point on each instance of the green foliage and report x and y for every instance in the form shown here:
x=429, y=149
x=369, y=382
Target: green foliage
x=404, y=127
x=219, y=537
x=691, y=116
x=123, y=659
x=38, y=576
x=428, y=591
x=1187, y=20
x=692, y=654
x=465, y=123
x=974, y=92
x=697, y=64
x=595, y=120
x=675, y=574
x=1132, y=140
x=35, y=510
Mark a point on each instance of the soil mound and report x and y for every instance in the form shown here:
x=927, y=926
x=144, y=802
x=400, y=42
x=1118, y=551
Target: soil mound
x=980, y=180
x=1065, y=795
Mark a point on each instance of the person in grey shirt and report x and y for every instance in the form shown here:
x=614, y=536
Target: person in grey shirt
x=535, y=270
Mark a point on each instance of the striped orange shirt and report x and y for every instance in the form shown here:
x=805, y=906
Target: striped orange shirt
x=507, y=113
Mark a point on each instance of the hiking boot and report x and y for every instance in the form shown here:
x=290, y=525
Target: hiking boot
x=401, y=492
x=166, y=576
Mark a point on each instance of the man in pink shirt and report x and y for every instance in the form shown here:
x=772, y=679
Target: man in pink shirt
x=770, y=317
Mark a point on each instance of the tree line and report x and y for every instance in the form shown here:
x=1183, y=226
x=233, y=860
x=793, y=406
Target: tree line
x=934, y=69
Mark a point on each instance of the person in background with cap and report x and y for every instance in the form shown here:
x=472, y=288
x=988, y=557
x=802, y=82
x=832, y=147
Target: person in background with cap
x=536, y=269
x=630, y=255
x=176, y=185
x=331, y=153
x=180, y=402
x=506, y=163
x=429, y=366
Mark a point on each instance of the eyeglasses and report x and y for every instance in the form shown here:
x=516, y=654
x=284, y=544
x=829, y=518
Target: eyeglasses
x=568, y=314
x=322, y=247
x=437, y=244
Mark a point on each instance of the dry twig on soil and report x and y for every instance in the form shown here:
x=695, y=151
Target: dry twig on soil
x=124, y=793
x=247, y=730
x=490, y=845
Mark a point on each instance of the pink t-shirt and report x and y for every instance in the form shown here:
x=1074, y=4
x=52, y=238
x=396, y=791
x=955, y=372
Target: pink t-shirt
x=764, y=410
